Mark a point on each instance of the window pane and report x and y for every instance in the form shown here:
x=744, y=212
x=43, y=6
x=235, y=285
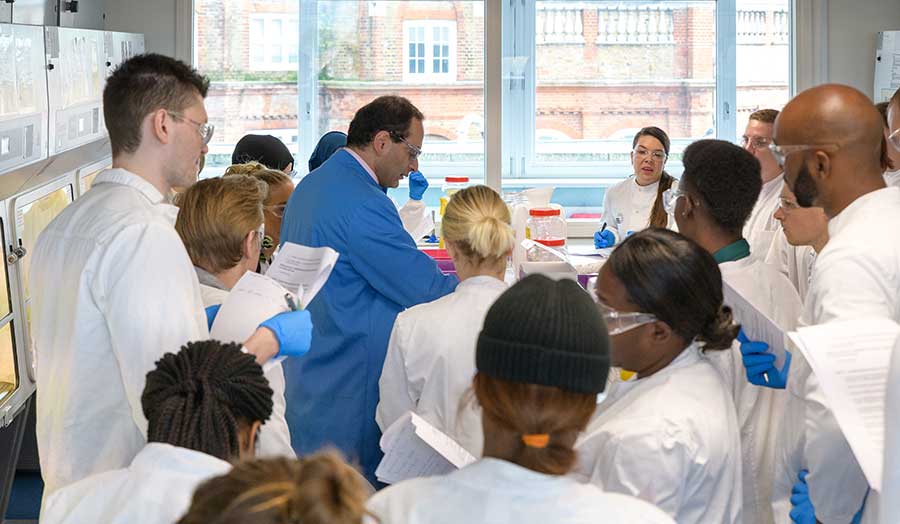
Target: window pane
x=352, y=36
x=763, y=56
x=254, y=90
x=593, y=57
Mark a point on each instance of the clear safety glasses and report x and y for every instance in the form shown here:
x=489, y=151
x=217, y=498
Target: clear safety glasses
x=657, y=156
x=894, y=139
x=618, y=322
x=414, y=151
x=781, y=152
x=670, y=199
x=206, y=130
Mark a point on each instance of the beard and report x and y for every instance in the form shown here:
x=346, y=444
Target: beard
x=805, y=188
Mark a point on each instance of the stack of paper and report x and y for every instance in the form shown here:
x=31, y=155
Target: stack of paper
x=851, y=361
x=414, y=448
x=756, y=325
x=302, y=270
x=254, y=299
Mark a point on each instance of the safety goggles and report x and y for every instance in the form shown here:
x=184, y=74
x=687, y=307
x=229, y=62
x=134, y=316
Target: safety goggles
x=894, y=139
x=781, y=152
x=618, y=322
x=206, y=130
x=414, y=151
x=658, y=156
x=277, y=210
x=787, y=204
x=670, y=199
x=758, y=142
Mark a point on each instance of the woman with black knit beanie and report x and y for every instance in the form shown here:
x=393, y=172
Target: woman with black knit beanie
x=541, y=358
x=204, y=407
x=670, y=434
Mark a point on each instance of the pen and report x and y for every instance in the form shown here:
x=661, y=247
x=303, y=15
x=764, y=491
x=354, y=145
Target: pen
x=602, y=229
x=290, y=302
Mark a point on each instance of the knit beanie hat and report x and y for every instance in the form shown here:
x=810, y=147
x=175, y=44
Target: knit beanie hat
x=265, y=149
x=545, y=332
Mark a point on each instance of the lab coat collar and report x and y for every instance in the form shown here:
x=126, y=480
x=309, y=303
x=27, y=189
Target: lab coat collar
x=733, y=252
x=649, y=188
x=127, y=178
x=495, y=474
x=208, y=279
x=846, y=217
x=369, y=171
x=770, y=187
x=481, y=281
x=176, y=459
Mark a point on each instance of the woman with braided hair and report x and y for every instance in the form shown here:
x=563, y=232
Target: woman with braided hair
x=204, y=407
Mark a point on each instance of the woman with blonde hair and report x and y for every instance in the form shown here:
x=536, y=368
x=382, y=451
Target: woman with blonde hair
x=320, y=489
x=431, y=354
x=220, y=221
x=542, y=357
x=280, y=188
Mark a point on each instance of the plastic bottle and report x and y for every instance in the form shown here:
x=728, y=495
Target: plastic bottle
x=451, y=185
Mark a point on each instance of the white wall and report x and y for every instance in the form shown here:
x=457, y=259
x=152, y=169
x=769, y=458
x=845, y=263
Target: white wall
x=852, y=27
x=155, y=18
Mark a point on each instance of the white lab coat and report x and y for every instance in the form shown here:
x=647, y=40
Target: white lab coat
x=274, y=436
x=758, y=408
x=794, y=262
x=499, y=492
x=670, y=439
x=761, y=227
x=892, y=178
x=857, y=274
x=113, y=290
x=431, y=361
x=627, y=207
x=890, y=483
x=415, y=219
x=156, y=488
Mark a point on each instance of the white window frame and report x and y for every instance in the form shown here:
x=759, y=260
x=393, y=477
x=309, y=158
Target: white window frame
x=509, y=96
x=430, y=77
x=265, y=43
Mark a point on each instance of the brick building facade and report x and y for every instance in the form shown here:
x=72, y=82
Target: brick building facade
x=599, y=68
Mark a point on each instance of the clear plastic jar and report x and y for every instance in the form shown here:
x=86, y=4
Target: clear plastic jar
x=451, y=185
x=536, y=254
x=545, y=223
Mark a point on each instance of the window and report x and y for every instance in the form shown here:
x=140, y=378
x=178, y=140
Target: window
x=274, y=42
x=579, y=78
x=429, y=48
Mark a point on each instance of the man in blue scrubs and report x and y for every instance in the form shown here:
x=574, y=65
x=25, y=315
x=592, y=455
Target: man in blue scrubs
x=332, y=392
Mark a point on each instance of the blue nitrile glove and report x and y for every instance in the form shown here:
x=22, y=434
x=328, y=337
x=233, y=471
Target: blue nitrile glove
x=211, y=313
x=417, y=185
x=604, y=238
x=802, y=510
x=760, y=364
x=629, y=233
x=293, y=329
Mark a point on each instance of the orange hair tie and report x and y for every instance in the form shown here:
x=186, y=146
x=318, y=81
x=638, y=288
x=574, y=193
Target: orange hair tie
x=539, y=440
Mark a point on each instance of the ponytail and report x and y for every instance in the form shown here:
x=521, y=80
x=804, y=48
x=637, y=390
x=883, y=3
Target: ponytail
x=531, y=425
x=720, y=331
x=658, y=215
x=477, y=221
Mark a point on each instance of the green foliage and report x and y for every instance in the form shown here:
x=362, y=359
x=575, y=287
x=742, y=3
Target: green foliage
x=252, y=76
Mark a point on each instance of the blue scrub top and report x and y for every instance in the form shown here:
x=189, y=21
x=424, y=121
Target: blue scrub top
x=332, y=391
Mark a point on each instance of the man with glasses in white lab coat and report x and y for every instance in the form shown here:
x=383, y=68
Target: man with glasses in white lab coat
x=761, y=227
x=113, y=287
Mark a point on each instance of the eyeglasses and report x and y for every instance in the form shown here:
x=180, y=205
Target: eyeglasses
x=670, y=199
x=413, y=150
x=894, y=139
x=657, y=156
x=787, y=204
x=277, y=210
x=758, y=142
x=781, y=152
x=618, y=322
x=206, y=130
